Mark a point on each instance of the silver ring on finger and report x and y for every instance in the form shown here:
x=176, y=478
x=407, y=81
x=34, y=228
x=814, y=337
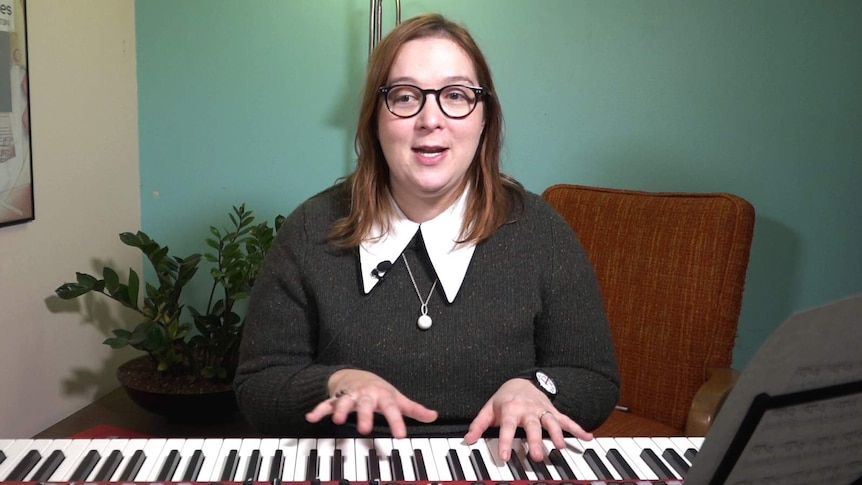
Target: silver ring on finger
x=542, y=415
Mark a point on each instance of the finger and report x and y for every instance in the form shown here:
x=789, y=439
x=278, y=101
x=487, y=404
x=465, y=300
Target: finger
x=533, y=429
x=396, y=421
x=555, y=432
x=480, y=424
x=414, y=410
x=320, y=411
x=572, y=427
x=342, y=407
x=364, y=414
x=506, y=435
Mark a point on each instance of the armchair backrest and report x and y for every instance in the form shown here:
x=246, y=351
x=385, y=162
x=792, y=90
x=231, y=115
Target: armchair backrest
x=671, y=267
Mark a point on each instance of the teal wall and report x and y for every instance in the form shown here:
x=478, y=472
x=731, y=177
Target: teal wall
x=255, y=101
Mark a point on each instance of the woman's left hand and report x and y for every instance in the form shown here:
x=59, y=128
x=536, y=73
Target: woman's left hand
x=519, y=404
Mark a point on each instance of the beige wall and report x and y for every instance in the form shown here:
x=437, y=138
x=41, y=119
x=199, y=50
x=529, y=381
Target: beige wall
x=85, y=158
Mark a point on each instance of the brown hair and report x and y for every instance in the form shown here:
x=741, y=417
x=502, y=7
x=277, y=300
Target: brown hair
x=492, y=192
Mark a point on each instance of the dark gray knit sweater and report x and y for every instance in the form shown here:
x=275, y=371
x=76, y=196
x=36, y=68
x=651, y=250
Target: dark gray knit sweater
x=529, y=300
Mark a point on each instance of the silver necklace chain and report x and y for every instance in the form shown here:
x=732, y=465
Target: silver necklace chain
x=424, y=321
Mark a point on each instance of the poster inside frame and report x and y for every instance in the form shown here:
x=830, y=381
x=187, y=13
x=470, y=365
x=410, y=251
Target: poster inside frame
x=16, y=168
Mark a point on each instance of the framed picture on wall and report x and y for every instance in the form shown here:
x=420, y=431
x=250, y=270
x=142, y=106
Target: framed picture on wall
x=16, y=168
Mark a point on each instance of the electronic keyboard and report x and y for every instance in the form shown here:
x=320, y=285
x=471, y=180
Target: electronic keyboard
x=371, y=460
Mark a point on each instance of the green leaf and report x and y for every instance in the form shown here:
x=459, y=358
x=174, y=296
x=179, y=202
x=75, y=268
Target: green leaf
x=68, y=291
x=112, y=280
x=134, y=287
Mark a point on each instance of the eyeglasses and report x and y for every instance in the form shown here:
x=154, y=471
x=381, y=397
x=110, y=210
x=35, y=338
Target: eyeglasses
x=455, y=101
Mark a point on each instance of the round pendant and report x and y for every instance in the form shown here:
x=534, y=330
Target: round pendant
x=424, y=322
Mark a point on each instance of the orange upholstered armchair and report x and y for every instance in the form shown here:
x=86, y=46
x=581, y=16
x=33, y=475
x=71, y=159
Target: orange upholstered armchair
x=671, y=267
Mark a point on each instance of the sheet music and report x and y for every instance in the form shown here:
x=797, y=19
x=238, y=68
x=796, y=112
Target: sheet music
x=808, y=443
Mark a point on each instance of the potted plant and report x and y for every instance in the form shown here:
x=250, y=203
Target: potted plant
x=189, y=354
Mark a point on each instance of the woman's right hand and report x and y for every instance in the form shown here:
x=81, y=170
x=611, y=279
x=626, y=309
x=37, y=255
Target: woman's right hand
x=365, y=393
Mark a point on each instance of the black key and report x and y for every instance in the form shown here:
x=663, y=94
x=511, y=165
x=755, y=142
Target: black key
x=110, y=465
x=276, y=466
x=49, y=466
x=690, y=454
x=24, y=466
x=194, y=467
x=622, y=466
x=396, y=465
x=373, y=466
x=539, y=468
x=560, y=464
x=419, y=465
x=2, y=457
x=134, y=466
x=230, y=464
x=86, y=467
x=311, y=465
x=597, y=465
x=655, y=464
x=676, y=461
x=169, y=467
x=455, y=465
x=479, y=465
x=516, y=467
x=253, y=468
x=337, y=466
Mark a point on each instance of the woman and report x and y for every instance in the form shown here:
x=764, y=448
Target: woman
x=423, y=292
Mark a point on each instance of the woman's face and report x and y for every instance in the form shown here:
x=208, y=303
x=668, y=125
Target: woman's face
x=429, y=154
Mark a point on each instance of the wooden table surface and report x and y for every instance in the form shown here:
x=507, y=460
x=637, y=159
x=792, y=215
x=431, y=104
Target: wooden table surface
x=117, y=409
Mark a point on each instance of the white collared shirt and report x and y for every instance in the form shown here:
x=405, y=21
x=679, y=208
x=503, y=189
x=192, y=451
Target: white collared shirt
x=450, y=259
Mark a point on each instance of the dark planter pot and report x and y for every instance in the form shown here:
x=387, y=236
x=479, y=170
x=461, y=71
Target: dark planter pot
x=175, y=397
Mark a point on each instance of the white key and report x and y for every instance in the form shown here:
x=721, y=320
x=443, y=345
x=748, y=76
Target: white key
x=439, y=451
x=428, y=461
x=212, y=451
x=170, y=445
x=632, y=453
x=303, y=449
x=267, y=451
x=98, y=446
x=227, y=446
x=658, y=445
x=186, y=452
x=594, y=444
x=325, y=454
x=497, y=468
x=348, y=457
x=405, y=449
x=383, y=448
x=519, y=446
x=14, y=452
x=246, y=449
x=129, y=449
x=463, y=453
x=685, y=443
x=74, y=451
x=361, y=446
x=152, y=449
x=574, y=456
x=53, y=446
x=288, y=448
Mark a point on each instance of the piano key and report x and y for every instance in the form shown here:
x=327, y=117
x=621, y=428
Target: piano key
x=191, y=460
x=455, y=465
x=595, y=457
x=348, y=456
x=497, y=468
x=325, y=454
x=248, y=465
x=423, y=461
x=133, y=460
x=165, y=461
x=652, y=450
x=397, y=465
x=48, y=466
x=15, y=451
x=24, y=466
x=630, y=452
x=573, y=454
x=373, y=466
x=38, y=474
x=555, y=456
x=86, y=466
x=193, y=467
x=226, y=462
x=212, y=458
x=361, y=448
x=305, y=448
x=151, y=452
x=439, y=452
x=336, y=468
x=107, y=468
x=696, y=444
x=271, y=459
x=519, y=460
x=383, y=449
x=405, y=452
x=545, y=468
x=462, y=455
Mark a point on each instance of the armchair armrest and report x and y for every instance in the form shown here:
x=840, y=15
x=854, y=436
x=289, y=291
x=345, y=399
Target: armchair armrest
x=709, y=398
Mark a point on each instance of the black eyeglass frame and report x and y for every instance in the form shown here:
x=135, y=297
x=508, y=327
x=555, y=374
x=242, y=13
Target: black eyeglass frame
x=478, y=91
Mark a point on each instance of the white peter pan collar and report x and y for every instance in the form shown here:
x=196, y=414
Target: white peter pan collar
x=450, y=259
